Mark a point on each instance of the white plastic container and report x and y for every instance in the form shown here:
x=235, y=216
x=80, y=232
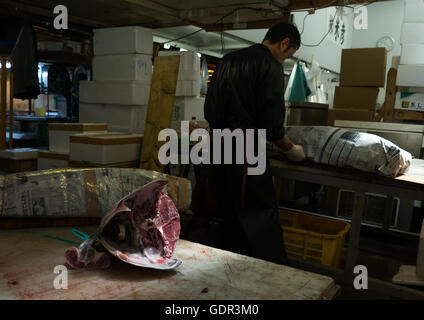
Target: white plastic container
x=120, y=118
x=105, y=149
x=412, y=32
x=59, y=133
x=123, y=67
x=52, y=160
x=409, y=75
x=115, y=92
x=412, y=54
x=123, y=40
x=189, y=64
x=414, y=11
x=188, y=89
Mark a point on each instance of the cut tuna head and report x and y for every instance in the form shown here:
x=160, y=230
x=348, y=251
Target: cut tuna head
x=144, y=228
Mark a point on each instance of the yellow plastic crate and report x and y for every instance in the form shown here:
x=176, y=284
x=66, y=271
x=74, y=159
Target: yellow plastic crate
x=313, y=238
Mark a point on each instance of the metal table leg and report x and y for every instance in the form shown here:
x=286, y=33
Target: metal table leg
x=355, y=230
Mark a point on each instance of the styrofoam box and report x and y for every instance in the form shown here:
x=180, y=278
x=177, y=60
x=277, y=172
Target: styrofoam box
x=189, y=64
x=412, y=54
x=123, y=40
x=410, y=75
x=115, y=92
x=411, y=102
x=19, y=154
x=59, y=133
x=185, y=108
x=120, y=118
x=412, y=32
x=123, y=67
x=188, y=89
x=52, y=160
x=414, y=10
x=106, y=148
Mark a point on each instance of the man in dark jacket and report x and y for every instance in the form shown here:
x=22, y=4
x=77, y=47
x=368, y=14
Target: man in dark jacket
x=247, y=91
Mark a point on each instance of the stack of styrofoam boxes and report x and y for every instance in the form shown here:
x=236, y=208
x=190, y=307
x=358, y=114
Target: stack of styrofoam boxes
x=122, y=73
x=188, y=104
x=59, y=142
x=411, y=68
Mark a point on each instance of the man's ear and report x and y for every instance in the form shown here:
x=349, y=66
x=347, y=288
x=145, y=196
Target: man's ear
x=284, y=44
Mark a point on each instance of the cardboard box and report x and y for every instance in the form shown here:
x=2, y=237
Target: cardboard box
x=123, y=67
x=115, y=92
x=412, y=54
x=123, y=40
x=412, y=32
x=349, y=114
x=363, y=67
x=52, y=160
x=59, y=133
x=410, y=101
x=355, y=98
x=120, y=118
x=414, y=11
x=108, y=148
x=410, y=76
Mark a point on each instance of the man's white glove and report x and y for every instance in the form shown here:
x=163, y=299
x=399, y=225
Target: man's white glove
x=296, y=154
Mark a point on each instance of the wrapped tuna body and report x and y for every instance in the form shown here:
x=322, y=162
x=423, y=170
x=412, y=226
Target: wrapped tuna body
x=351, y=149
x=143, y=229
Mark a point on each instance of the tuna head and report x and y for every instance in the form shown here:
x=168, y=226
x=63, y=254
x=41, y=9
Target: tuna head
x=144, y=228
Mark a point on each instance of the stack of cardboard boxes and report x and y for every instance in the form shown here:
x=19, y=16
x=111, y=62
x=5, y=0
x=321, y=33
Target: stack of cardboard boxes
x=122, y=73
x=188, y=103
x=362, y=73
x=411, y=68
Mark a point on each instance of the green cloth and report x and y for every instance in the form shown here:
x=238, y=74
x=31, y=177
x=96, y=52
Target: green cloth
x=405, y=94
x=300, y=90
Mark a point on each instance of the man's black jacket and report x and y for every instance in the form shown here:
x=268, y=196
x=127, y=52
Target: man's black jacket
x=247, y=91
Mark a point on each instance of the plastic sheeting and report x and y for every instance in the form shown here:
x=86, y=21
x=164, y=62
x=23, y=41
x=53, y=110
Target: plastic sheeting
x=80, y=192
x=351, y=149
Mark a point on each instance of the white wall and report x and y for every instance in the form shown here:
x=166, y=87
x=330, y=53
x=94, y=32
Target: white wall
x=328, y=53
x=384, y=19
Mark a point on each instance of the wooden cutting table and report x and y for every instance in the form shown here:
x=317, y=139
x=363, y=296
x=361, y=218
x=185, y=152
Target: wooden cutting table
x=409, y=186
x=27, y=261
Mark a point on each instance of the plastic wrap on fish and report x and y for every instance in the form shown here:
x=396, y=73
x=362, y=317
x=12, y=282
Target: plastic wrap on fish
x=143, y=229
x=351, y=149
x=80, y=192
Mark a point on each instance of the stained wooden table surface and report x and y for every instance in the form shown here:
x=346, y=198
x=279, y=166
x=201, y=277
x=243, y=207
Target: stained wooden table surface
x=27, y=262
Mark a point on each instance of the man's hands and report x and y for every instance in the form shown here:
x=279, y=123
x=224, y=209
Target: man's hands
x=296, y=154
x=293, y=152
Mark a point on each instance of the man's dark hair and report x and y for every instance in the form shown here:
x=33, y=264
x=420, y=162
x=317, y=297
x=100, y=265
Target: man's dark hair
x=284, y=30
